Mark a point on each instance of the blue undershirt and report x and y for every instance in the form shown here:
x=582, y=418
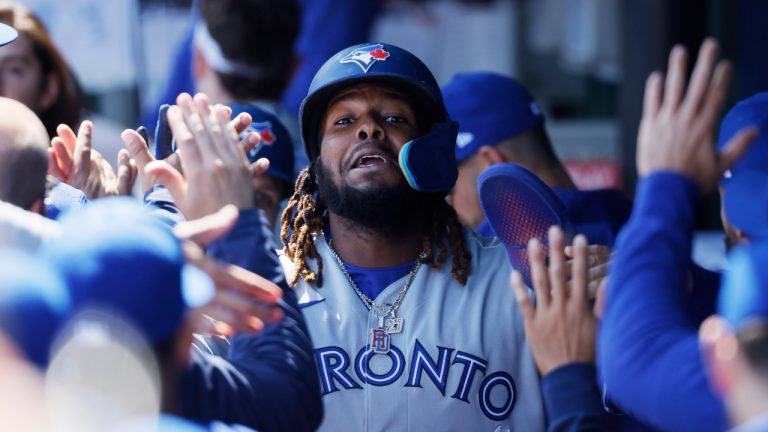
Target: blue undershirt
x=372, y=281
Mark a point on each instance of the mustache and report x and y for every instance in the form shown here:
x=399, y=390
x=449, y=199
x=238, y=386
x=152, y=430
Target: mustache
x=369, y=144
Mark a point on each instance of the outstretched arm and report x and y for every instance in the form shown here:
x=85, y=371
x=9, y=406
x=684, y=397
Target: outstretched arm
x=647, y=347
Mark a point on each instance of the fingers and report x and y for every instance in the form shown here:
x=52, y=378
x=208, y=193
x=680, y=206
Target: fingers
x=137, y=147
x=81, y=157
x=226, y=138
x=250, y=142
x=600, y=299
x=539, y=273
x=718, y=90
x=167, y=176
x=53, y=166
x=209, y=228
x=557, y=267
x=125, y=178
x=700, y=78
x=652, y=99
x=68, y=137
x=241, y=122
x=675, y=83
x=191, y=159
x=736, y=147
x=62, y=158
x=521, y=296
x=259, y=167
x=579, y=275
x=233, y=277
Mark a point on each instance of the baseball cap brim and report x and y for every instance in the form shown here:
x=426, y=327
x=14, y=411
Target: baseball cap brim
x=519, y=207
x=8, y=34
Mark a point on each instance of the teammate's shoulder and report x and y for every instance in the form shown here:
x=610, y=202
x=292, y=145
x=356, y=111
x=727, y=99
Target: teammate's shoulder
x=484, y=250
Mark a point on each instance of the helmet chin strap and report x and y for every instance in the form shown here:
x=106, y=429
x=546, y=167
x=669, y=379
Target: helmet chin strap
x=429, y=162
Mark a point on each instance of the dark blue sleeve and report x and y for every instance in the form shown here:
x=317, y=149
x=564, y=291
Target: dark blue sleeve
x=648, y=351
x=573, y=401
x=265, y=381
x=251, y=245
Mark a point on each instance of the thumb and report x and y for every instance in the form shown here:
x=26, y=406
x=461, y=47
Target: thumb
x=169, y=177
x=736, y=147
x=137, y=147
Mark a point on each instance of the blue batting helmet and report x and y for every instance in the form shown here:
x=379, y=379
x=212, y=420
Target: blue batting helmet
x=428, y=162
x=369, y=62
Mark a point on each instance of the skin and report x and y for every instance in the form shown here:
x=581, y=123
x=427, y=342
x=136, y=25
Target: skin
x=21, y=128
x=268, y=188
x=562, y=328
x=267, y=196
x=378, y=121
x=21, y=76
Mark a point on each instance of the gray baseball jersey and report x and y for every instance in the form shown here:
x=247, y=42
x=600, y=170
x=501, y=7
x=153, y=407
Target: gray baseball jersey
x=461, y=361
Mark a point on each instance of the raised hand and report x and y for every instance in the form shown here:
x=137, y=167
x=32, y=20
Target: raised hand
x=562, y=328
x=73, y=160
x=216, y=169
x=244, y=301
x=598, y=260
x=676, y=131
x=136, y=143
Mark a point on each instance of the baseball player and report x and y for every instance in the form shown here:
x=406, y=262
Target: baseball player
x=648, y=353
x=500, y=122
x=411, y=316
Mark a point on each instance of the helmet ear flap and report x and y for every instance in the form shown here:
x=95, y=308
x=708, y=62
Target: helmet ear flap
x=429, y=161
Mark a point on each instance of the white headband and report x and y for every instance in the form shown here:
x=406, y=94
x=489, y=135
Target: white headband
x=211, y=52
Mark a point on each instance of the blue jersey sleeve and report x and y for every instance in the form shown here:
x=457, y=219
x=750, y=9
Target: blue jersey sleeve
x=648, y=350
x=265, y=381
x=573, y=401
x=251, y=245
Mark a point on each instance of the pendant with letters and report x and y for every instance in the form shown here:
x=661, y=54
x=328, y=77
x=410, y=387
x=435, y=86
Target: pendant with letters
x=380, y=341
x=393, y=325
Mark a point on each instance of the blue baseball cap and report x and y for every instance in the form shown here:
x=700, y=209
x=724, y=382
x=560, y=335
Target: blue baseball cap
x=8, y=34
x=743, y=294
x=490, y=108
x=745, y=202
x=116, y=256
x=277, y=143
x=34, y=303
x=752, y=111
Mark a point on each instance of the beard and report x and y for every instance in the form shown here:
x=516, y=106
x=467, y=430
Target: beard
x=389, y=210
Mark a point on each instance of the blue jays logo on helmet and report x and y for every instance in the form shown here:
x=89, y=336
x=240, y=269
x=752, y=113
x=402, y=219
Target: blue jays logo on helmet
x=366, y=56
x=264, y=129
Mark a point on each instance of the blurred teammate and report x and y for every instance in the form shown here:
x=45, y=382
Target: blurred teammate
x=33, y=71
x=648, y=350
x=500, y=122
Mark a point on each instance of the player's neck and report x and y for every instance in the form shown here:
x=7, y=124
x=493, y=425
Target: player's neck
x=362, y=247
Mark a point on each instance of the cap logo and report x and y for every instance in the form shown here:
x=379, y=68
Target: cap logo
x=366, y=56
x=463, y=139
x=264, y=129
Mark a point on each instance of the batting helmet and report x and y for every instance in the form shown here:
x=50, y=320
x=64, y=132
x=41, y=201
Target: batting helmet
x=388, y=64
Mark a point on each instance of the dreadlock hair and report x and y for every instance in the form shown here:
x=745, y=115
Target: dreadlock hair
x=303, y=217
